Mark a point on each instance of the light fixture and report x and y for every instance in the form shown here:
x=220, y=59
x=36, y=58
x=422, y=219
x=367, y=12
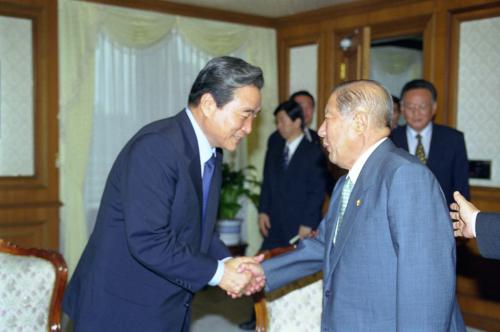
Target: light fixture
x=345, y=43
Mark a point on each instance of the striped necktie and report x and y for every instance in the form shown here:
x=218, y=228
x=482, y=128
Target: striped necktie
x=344, y=199
x=420, y=152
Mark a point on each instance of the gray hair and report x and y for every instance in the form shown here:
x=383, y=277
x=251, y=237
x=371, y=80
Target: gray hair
x=221, y=76
x=365, y=95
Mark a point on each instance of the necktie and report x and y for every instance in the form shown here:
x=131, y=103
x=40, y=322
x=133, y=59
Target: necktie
x=286, y=152
x=344, y=198
x=208, y=172
x=420, y=152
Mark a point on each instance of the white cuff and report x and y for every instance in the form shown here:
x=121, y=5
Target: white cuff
x=473, y=222
x=216, y=279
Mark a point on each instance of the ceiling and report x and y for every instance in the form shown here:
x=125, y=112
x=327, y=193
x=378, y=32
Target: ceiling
x=267, y=8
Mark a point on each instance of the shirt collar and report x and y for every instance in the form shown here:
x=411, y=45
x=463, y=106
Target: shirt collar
x=292, y=146
x=358, y=165
x=426, y=132
x=205, y=149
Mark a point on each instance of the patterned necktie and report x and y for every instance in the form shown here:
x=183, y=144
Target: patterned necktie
x=286, y=152
x=420, y=152
x=344, y=198
x=208, y=172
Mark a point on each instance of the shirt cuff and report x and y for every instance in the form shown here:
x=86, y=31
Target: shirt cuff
x=216, y=279
x=473, y=223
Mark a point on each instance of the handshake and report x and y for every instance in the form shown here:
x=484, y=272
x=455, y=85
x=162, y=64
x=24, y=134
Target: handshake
x=243, y=276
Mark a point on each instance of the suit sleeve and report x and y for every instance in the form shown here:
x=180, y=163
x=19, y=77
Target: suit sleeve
x=488, y=234
x=303, y=261
x=423, y=242
x=265, y=189
x=461, y=168
x=149, y=180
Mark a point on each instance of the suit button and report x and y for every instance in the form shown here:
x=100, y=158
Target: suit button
x=327, y=293
x=186, y=304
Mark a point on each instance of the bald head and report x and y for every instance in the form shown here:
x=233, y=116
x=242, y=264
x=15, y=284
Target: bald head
x=365, y=96
x=358, y=114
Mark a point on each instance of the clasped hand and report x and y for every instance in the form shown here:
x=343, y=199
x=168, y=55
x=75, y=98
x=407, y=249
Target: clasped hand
x=243, y=276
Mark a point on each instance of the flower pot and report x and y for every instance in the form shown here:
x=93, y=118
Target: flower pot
x=229, y=231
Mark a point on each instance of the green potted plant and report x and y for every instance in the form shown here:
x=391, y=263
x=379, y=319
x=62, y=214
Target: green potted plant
x=236, y=185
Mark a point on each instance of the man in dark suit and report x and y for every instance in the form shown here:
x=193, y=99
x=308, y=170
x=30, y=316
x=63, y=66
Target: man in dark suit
x=307, y=103
x=293, y=186
x=386, y=246
x=441, y=148
x=471, y=223
x=154, y=245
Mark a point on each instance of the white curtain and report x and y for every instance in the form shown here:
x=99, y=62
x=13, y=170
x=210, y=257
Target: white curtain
x=133, y=87
x=135, y=37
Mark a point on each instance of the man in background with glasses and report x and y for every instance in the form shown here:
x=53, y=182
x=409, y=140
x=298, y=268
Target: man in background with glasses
x=439, y=147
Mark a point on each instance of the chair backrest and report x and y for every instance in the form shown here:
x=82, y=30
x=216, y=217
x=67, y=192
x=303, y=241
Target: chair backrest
x=294, y=307
x=32, y=283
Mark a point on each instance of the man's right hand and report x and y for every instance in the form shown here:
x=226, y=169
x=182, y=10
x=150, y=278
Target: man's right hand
x=264, y=224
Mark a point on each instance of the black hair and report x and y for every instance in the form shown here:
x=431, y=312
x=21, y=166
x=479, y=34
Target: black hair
x=302, y=93
x=293, y=110
x=221, y=76
x=420, y=84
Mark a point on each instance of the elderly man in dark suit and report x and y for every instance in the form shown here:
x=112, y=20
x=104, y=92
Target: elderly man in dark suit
x=386, y=245
x=154, y=245
x=441, y=148
x=469, y=222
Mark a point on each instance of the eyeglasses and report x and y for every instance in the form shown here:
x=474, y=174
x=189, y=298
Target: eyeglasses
x=423, y=107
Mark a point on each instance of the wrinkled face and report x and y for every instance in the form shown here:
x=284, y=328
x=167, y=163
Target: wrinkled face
x=339, y=136
x=418, y=108
x=226, y=126
x=307, y=107
x=287, y=128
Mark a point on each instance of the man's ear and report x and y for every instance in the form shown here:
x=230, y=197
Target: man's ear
x=434, y=108
x=360, y=121
x=208, y=105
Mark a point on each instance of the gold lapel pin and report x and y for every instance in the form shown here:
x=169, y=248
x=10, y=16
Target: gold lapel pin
x=358, y=202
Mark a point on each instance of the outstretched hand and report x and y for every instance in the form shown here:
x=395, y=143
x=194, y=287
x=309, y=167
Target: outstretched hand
x=462, y=213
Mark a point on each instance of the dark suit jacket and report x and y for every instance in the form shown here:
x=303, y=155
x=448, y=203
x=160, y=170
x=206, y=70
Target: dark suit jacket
x=148, y=252
x=488, y=234
x=447, y=158
x=392, y=267
x=294, y=196
x=275, y=139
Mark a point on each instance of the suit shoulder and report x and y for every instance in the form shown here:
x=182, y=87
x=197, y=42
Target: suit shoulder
x=448, y=131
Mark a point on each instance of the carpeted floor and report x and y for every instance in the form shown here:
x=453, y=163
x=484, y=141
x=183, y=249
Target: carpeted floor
x=214, y=311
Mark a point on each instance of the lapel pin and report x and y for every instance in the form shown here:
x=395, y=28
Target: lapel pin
x=358, y=202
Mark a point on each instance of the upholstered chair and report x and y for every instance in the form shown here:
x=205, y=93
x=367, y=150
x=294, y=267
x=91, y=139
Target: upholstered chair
x=294, y=307
x=32, y=283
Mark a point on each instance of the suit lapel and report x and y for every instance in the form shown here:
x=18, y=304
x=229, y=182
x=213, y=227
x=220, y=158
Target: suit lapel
x=434, y=149
x=365, y=181
x=331, y=219
x=192, y=153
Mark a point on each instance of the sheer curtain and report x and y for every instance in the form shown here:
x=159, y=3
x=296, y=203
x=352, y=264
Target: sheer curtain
x=133, y=87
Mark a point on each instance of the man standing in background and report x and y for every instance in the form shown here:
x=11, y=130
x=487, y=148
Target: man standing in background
x=441, y=148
